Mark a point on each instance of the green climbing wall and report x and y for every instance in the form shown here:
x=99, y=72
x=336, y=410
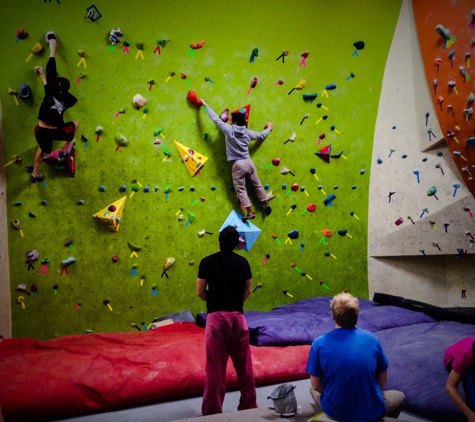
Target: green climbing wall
x=324, y=29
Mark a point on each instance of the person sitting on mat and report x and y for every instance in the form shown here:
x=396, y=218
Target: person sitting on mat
x=237, y=150
x=349, y=369
x=459, y=362
x=57, y=100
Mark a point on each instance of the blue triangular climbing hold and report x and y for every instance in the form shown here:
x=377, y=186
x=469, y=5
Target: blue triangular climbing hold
x=248, y=232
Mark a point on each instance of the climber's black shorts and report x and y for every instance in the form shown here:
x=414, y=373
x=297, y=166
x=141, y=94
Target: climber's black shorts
x=45, y=137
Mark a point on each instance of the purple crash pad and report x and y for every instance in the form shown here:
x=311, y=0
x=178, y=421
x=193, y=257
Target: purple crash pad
x=416, y=366
x=303, y=321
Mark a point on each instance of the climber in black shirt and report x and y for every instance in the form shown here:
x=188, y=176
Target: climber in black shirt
x=57, y=100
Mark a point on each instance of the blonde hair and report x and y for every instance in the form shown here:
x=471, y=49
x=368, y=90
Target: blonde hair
x=345, y=310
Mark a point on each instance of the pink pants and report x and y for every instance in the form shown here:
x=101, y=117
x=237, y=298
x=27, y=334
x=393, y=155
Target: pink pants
x=243, y=171
x=227, y=335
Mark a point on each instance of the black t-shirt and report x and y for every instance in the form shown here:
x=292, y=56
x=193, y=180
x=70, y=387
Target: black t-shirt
x=56, y=101
x=226, y=275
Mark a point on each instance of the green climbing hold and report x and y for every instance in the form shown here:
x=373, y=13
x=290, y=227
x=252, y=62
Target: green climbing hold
x=121, y=140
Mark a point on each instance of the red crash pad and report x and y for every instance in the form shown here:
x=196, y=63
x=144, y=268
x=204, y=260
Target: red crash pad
x=82, y=374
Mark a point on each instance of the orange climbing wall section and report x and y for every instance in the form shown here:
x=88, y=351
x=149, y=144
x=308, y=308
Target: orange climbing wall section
x=457, y=17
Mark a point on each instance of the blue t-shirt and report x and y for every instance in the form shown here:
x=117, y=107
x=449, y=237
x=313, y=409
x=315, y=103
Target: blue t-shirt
x=347, y=360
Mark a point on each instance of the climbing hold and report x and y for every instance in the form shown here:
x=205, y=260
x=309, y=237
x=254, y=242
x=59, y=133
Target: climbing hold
x=328, y=200
x=294, y=234
x=432, y=192
x=192, y=97
x=198, y=45
x=324, y=153
x=21, y=34
x=163, y=42
x=138, y=101
x=191, y=217
x=449, y=39
x=120, y=140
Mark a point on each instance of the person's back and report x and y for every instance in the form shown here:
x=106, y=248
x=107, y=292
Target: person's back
x=237, y=142
x=237, y=135
x=226, y=275
x=349, y=359
x=57, y=97
x=244, y=170
x=348, y=369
